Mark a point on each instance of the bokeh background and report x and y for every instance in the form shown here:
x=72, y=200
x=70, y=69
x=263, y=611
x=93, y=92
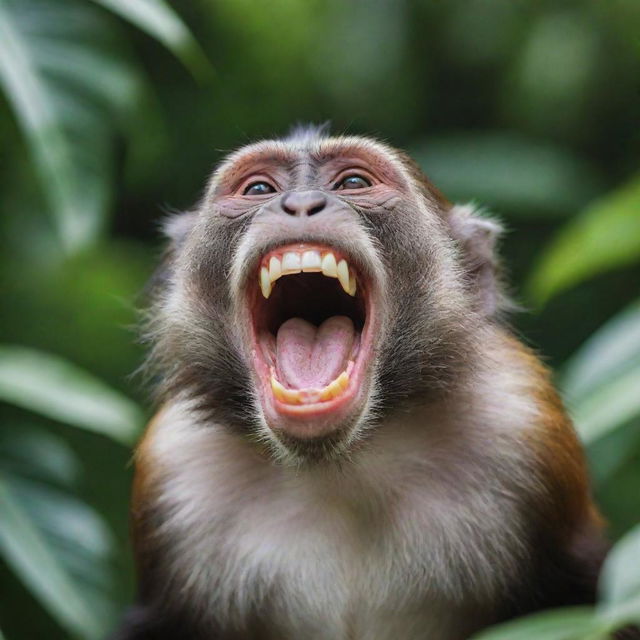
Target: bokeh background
x=113, y=112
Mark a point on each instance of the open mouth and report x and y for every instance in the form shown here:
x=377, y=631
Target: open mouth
x=310, y=311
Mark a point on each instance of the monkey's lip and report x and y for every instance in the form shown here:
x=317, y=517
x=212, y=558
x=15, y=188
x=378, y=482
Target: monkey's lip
x=312, y=343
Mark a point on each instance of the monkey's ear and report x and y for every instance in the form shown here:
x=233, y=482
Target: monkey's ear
x=477, y=236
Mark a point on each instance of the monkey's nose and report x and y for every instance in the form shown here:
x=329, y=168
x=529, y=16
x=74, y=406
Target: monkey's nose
x=303, y=203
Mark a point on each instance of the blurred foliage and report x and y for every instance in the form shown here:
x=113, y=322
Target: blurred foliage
x=114, y=110
x=619, y=605
x=59, y=390
x=605, y=236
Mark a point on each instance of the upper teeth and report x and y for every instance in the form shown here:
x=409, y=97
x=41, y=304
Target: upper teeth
x=308, y=261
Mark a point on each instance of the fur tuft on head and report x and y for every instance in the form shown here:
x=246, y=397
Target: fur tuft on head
x=303, y=134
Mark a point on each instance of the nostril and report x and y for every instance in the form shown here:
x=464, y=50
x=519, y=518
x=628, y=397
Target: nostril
x=317, y=208
x=287, y=209
x=303, y=203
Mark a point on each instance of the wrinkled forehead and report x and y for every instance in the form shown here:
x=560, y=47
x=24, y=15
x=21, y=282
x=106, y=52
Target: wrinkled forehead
x=313, y=151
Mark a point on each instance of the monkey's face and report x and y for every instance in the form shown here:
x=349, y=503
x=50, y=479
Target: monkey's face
x=325, y=288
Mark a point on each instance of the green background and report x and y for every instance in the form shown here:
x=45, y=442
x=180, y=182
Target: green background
x=114, y=112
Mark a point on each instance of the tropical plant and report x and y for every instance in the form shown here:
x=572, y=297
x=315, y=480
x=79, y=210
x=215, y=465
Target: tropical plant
x=72, y=84
x=56, y=544
x=521, y=106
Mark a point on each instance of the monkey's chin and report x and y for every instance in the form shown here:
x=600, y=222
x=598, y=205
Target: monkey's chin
x=312, y=332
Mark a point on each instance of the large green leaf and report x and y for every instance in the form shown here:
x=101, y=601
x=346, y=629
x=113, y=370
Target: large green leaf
x=562, y=624
x=612, y=451
x=33, y=452
x=74, y=532
x=36, y=114
x=598, y=385
x=605, y=236
x=613, y=349
x=58, y=389
x=611, y=405
x=620, y=579
x=65, y=80
x=622, y=614
x=163, y=23
x=70, y=535
x=28, y=553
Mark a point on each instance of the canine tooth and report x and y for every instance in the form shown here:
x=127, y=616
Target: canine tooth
x=283, y=394
x=265, y=282
x=311, y=261
x=343, y=380
x=277, y=388
x=329, y=266
x=291, y=263
x=275, y=268
x=331, y=390
x=352, y=285
x=335, y=387
x=343, y=274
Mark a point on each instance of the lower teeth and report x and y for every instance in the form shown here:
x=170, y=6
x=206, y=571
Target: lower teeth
x=310, y=396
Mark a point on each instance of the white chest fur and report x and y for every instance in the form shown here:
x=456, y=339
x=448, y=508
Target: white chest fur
x=390, y=546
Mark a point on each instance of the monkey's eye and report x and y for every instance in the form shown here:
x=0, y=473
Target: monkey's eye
x=258, y=189
x=353, y=181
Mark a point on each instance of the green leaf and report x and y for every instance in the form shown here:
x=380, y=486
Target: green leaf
x=605, y=236
x=26, y=551
x=611, y=405
x=74, y=532
x=58, y=389
x=611, y=452
x=161, y=22
x=34, y=452
x=563, y=624
x=611, y=350
x=620, y=578
x=515, y=175
x=598, y=385
x=36, y=113
x=622, y=614
x=63, y=82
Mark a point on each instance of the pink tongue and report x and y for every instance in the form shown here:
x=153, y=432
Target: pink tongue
x=310, y=357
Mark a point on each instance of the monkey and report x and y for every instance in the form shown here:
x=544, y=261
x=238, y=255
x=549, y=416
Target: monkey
x=351, y=442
